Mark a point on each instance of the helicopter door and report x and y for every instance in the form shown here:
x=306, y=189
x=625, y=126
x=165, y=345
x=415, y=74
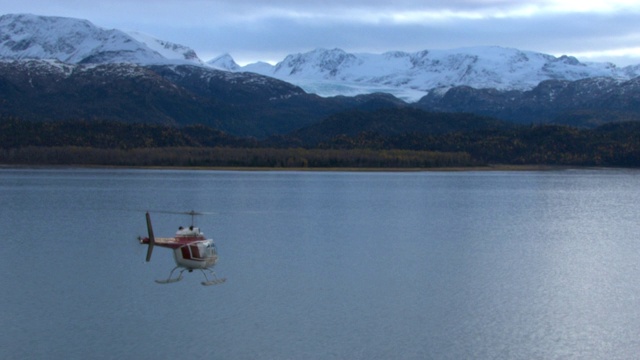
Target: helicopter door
x=190, y=252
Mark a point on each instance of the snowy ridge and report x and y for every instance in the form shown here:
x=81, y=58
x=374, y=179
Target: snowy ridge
x=167, y=49
x=224, y=62
x=408, y=76
x=412, y=75
x=75, y=41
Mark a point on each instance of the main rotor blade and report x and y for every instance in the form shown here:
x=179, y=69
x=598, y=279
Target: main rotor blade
x=152, y=239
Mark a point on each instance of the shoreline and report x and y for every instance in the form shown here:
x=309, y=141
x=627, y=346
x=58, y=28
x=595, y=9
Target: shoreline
x=488, y=168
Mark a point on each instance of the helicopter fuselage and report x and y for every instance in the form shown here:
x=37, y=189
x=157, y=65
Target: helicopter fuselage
x=191, y=249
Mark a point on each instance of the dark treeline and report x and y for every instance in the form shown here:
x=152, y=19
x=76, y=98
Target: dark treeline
x=112, y=143
x=615, y=144
x=120, y=144
x=16, y=133
x=233, y=157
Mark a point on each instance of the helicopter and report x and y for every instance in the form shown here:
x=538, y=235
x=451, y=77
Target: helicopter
x=191, y=251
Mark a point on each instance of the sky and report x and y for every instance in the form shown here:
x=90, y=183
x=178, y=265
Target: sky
x=269, y=30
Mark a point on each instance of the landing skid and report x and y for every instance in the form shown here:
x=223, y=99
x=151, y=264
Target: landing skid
x=208, y=282
x=214, y=281
x=170, y=280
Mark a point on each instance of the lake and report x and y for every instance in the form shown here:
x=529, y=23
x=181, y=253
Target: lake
x=323, y=265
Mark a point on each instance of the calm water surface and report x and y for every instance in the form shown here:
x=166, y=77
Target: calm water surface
x=470, y=265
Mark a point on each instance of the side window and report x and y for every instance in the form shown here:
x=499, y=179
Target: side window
x=186, y=254
x=195, y=251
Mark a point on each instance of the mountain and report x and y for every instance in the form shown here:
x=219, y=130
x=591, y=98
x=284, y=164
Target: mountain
x=76, y=41
x=392, y=122
x=241, y=104
x=54, y=68
x=411, y=76
x=587, y=102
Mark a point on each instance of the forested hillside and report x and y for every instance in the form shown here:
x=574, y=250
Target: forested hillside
x=410, y=138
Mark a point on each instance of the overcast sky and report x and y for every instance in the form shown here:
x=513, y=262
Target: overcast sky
x=268, y=30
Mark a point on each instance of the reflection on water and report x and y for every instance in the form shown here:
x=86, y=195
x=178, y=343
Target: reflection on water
x=511, y=265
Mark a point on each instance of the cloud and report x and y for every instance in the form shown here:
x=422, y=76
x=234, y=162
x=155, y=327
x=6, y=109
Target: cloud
x=556, y=32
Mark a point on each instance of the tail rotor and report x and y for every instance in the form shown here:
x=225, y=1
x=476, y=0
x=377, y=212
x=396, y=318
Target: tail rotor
x=152, y=239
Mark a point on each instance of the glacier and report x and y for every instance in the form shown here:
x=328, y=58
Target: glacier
x=410, y=76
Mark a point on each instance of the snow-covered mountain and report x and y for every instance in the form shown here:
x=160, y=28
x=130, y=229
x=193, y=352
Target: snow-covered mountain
x=55, y=68
x=75, y=41
x=408, y=76
x=412, y=75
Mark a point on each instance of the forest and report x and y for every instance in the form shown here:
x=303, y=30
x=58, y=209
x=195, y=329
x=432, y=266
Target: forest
x=83, y=142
